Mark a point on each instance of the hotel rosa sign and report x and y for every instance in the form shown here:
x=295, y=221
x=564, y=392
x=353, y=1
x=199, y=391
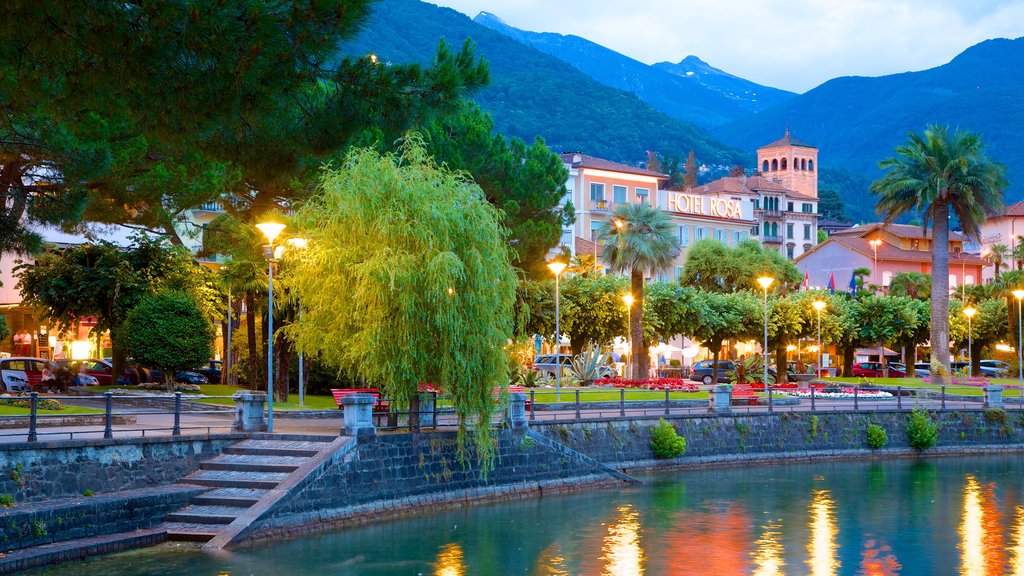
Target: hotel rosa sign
x=705, y=206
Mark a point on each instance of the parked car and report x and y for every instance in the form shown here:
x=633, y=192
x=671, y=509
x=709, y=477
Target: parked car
x=703, y=371
x=19, y=373
x=211, y=371
x=994, y=368
x=103, y=370
x=79, y=376
x=874, y=370
x=922, y=369
x=548, y=363
x=190, y=377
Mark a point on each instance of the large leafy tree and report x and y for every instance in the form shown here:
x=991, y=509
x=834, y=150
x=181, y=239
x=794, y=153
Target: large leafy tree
x=938, y=175
x=593, y=312
x=526, y=182
x=106, y=281
x=711, y=265
x=717, y=317
x=884, y=320
x=988, y=327
x=420, y=257
x=168, y=331
x=639, y=241
x=669, y=311
x=129, y=112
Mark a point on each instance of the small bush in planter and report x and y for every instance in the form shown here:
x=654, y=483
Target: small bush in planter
x=922, y=433
x=666, y=442
x=876, y=437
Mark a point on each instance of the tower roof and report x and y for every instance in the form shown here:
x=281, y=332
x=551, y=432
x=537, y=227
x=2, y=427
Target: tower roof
x=787, y=141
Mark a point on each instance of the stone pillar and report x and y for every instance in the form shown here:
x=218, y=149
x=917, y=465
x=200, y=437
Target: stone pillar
x=994, y=396
x=249, y=409
x=721, y=399
x=358, y=415
x=427, y=402
x=517, y=410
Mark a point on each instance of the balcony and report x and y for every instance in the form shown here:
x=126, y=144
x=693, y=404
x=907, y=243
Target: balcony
x=600, y=205
x=770, y=239
x=771, y=213
x=212, y=206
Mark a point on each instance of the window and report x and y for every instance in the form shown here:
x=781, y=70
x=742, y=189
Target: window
x=775, y=165
x=803, y=164
x=619, y=194
x=595, y=229
x=969, y=279
x=764, y=167
x=684, y=235
x=596, y=192
x=886, y=277
x=737, y=236
x=767, y=229
x=807, y=231
x=775, y=229
x=722, y=236
x=755, y=230
x=789, y=252
x=810, y=165
x=789, y=231
x=783, y=166
x=642, y=195
x=789, y=207
x=952, y=280
x=757, y=203
x=702, y=232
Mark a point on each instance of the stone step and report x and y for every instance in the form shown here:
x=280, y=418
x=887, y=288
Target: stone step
x=189, y=532
x=254, y=463
x=276, y=447
x=206, y=514
x=234, y=479
x=237, y=497
x=71, y=550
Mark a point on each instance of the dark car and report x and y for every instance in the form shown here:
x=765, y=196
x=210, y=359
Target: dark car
x=874, y=370
x=211, y=371
x=190, y=377
x=703, y=371
x=548, y=363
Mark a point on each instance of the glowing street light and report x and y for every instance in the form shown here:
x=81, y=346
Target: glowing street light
x=556, y=268
x=819, y=305
x=271, y=230
x=875, y=243
x=1019, y=295
x=628, y=299
x=970, y=312
x=300, y=244
x=765, y=282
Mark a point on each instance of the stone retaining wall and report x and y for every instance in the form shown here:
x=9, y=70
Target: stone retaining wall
x=45, y=522
x=41, y=470
x=626, y=442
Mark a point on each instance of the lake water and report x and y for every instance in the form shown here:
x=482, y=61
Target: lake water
x=935, y=516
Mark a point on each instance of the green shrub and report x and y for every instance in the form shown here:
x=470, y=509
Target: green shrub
x=6, y=500
x=665, y=442
x=995, y=416
x=922, y=433
x=87, y=492
x=876, y=437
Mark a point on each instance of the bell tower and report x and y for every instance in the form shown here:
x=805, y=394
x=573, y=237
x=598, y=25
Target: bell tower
x=792, y=162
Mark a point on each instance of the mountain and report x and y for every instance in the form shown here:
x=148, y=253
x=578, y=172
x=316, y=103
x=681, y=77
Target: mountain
x=857, y=122
x=691, y=90
x=534, y=94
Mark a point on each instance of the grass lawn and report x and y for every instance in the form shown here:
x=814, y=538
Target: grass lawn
x=7, y=410
x=312, y=402
x=919, y=383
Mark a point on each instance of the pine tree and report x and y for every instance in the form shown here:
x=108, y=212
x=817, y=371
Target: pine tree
x=692, y=171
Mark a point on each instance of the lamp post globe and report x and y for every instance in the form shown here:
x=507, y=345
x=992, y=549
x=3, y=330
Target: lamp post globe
x=819, y=305
x=970, y=312
x=557, y=267
x=271, y=230
x=1019, y=295
x=765, y=282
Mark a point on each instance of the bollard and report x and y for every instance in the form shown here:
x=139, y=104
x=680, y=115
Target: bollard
x=108, y=421
x=533, y=406
x=176, y=431
x=249, y=412
x=943, y=396
x=517, y=410
x=666, y=402
x=994, y=397
x=32, y=435
x=856, y=389
x=622, y=401
x=577, y=403
x=812, y=399
x=770, y=408
x=899, y=397
x=358, y=415
x=721, y=396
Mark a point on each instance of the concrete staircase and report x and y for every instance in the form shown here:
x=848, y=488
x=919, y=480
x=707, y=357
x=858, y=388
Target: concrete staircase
x=244, y=475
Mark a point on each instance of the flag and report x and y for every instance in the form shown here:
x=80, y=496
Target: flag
x=807, y=281
x=853, y=284
x=831, y=283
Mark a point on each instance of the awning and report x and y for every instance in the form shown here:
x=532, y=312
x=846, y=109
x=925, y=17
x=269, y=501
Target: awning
x=874, y=352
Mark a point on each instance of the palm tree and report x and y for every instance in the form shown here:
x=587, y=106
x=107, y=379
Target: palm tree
x=638, y=240
x=1018, y=253
x=931, y=175
x=999, y=254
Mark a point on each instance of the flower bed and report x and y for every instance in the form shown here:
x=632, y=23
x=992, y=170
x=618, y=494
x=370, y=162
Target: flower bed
x=673, y=384
x=844, y=393
x=786, y=385
x=965, y=381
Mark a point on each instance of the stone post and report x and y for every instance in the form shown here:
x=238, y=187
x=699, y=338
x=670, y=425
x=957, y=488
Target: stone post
x=358, y=415
x=517, y=410
x=721, y=399
x=994, y=396
x=249, y=409
x=427, y=403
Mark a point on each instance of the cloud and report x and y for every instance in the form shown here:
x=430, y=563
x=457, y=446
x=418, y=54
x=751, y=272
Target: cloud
x=795, y=45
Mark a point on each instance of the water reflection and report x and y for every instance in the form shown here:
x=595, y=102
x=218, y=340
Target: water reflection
x=822, y=547
x=878, y=560
x=767, y=555
x=982, y=543
x=1018, y=543
x=622, y=553
x=450, y=561
x=550, y=562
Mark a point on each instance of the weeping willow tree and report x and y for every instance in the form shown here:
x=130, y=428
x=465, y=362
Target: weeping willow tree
x=406, y=280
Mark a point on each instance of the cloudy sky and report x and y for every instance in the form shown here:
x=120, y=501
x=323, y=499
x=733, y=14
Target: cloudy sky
x=794, y=45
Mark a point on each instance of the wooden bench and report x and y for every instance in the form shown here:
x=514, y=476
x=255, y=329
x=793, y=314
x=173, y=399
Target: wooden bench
x=379, y=405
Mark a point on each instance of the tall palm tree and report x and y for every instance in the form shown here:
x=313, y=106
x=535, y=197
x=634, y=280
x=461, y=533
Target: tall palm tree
x=933, y=174
x=1018, y=253
x=638, y=240
x=998, y=254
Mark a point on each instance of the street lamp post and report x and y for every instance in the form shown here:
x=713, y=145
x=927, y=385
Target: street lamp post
x=819, y=305
x=765, y=282
x=1019, y=295
x=628, y=299
x=970, y=312
x=271, y=230
x=300, y=243
x=874, y=245
x=557, y=267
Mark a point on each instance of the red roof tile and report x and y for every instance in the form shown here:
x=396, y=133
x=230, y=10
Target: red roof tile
x=577, y=160
x=901, y=230
x=787, y=140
